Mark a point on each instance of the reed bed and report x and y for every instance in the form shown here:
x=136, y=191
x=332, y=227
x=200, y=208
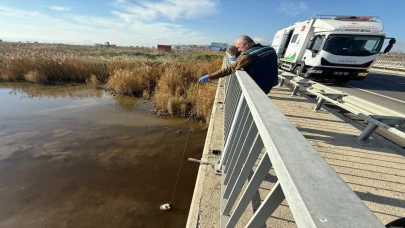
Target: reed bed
x=168, y=79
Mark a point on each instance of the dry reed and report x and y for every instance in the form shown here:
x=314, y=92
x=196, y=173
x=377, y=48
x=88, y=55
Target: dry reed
x=168, y=79
x=178, y=93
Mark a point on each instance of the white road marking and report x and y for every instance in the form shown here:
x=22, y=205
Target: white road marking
x=401, y=83
x=375, y=94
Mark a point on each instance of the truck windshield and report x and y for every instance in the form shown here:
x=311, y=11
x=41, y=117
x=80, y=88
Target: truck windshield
x=352, y=45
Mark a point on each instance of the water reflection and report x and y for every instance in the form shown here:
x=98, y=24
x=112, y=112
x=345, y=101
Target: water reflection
x=26, y=90
x=31, y=90
x=86, y=161
x=127, y=103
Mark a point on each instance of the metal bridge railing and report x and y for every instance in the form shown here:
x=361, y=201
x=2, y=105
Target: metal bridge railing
x=316, y=195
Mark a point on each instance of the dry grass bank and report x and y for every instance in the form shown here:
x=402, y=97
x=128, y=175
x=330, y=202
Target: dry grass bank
x=169, y=79
x=177, y=92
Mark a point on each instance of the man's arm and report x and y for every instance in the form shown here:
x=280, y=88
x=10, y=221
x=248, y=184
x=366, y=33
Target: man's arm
x=241, y=62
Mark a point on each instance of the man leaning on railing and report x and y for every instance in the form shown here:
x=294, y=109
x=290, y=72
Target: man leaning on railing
x=259, y=61
x=234, y=52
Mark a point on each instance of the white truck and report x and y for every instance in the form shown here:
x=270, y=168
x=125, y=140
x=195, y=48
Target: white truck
x=330, y=47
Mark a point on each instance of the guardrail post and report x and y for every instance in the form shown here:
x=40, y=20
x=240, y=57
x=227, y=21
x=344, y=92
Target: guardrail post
x=368, y=131
x=294, y=93
x=282, y=82
x=319, y=103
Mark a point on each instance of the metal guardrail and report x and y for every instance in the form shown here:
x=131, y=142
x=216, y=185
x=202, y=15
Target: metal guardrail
x=316, y=195
x=389, y=65
x=376, y=116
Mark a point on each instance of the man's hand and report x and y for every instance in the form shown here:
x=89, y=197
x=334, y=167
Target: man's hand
x=203, y=79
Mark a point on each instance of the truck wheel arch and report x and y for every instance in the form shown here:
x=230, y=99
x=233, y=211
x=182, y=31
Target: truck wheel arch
x=301, y=65
x=297, y=70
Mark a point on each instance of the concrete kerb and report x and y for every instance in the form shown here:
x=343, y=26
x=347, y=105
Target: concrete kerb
x=194, y=212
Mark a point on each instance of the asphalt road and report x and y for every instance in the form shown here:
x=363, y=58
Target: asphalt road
x=384, y=89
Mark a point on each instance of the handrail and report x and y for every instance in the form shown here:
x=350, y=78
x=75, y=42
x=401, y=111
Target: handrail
x=315, y=193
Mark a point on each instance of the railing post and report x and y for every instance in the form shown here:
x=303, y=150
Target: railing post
x=282, y=82
x=228, y=142
x=231, y=103
x=258, y=177
x=368, y=131
x=243, y=128
x=253, y=154
x=295, y=91
x=240, y=157
x=266, y=209
x=227, y=82
x=230, y=112
x=319, y=103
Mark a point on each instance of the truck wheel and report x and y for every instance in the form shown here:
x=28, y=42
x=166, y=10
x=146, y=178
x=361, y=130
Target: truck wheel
x=298, y=70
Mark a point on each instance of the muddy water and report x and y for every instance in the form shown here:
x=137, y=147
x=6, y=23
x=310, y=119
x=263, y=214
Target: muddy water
x=75, y=157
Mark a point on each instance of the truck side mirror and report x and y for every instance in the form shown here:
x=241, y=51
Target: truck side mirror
x=311, y=43
x=390, y=45
x=388, y=48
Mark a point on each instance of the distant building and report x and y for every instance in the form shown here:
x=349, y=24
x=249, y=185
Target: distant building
x=218, y=46
x=164, y=48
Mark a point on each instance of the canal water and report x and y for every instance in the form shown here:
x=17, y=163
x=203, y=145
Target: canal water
x=75, y=157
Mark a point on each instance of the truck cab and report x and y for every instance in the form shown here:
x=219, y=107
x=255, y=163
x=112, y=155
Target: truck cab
x=331, y=48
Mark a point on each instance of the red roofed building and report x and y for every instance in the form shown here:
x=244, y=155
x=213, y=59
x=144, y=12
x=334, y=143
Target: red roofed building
x=164, y=48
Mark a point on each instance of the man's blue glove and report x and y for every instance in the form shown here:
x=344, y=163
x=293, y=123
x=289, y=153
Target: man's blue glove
x=203, y=79
x=233, y=59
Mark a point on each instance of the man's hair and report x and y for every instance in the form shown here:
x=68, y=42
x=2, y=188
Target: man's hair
x=231, y=48
x=246, y=39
